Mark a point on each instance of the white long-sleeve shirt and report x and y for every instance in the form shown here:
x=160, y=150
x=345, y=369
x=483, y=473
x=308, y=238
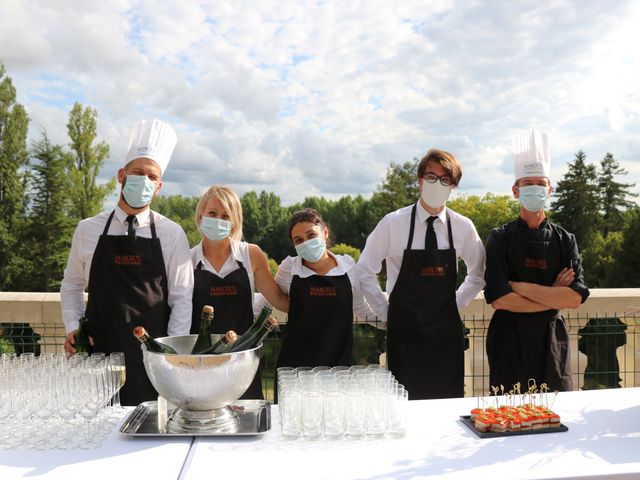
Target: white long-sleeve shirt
x=389, y=240
x=291, y=266
x=175, y=252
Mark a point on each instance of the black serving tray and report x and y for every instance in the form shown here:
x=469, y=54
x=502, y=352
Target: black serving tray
x=466, y=420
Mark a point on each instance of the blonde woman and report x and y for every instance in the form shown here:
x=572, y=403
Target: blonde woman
x=227, y=270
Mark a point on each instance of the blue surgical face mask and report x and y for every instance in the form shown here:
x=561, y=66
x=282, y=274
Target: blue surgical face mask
x=138, y=190
x=215, y=228
x=311, y=250
x=534, y=197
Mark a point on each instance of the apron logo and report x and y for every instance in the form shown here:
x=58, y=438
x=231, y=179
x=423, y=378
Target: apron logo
x=226, y=291
x=431, y=271
x=128, y=260
x=322, y=291
x=535, y=263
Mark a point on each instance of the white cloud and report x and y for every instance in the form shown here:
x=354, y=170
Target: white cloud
x=303, y=98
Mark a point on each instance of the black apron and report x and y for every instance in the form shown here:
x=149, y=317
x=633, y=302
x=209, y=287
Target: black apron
x=425, y=341
x=128, y=287
x=319, y=330
x=231, y=299
x=534, y=345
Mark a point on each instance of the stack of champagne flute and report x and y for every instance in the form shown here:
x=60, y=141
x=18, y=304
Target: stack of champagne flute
x=350, y=402
x=52, y=401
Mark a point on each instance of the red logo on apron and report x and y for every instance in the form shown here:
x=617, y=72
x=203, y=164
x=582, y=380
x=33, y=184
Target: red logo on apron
x=128, y=260
x=225, y=291
x=432, y=271
x=322, y=291
x=540, y=264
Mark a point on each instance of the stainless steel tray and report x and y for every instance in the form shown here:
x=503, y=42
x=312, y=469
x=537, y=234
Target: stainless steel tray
x=254, y=418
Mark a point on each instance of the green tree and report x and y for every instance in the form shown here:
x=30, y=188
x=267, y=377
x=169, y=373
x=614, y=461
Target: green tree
x=47, y=238
x=348, y=221
x=266, y=223
x=601, y=260
x=614, y=196
x=486, y=212
x=14, y=156
x=628, y=258
x=344, y=249
x=87, y=162
x=576, y=205
x=398, y=189
x=182, y=211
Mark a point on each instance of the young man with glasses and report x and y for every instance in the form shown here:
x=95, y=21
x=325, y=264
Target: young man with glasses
x=421, y=244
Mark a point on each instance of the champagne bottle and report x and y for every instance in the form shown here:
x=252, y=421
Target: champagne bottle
x=152, y=344
x=223, y=345
x=247, y=342
x=260, y=319
x=81, y=338
x=203, y=341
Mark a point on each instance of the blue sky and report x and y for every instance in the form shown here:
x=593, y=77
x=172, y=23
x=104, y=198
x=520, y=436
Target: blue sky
x=317, y=98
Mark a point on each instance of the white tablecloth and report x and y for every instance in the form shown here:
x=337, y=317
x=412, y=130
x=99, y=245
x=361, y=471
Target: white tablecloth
x=119, y=458
x=603, y=441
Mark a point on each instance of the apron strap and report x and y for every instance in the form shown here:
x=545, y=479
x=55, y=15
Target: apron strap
x=451, y=246
x=413, y=226
x=106, y=227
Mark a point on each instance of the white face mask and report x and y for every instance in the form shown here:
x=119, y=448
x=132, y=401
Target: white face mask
x=534, y=197
x=312, y=250
x=138, y=190
x=215, y=228
x=435, y=194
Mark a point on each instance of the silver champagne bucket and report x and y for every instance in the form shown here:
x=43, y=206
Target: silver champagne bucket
x=201, y=386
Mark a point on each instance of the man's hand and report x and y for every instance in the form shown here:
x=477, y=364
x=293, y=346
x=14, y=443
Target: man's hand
x=69, y=343
x=564, y=278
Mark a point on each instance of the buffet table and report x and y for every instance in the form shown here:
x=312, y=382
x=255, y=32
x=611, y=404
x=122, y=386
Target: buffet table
x=603, y=441
x=118, y=458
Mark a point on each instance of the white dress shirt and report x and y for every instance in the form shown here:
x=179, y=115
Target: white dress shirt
x=388, y=241
x=239, y=253
x=175, y=252
x=291, y=266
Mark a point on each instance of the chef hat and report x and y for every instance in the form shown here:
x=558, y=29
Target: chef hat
x=531, y=154
x=152, y=139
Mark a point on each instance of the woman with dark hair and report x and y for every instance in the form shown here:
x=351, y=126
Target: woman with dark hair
x=323, y=295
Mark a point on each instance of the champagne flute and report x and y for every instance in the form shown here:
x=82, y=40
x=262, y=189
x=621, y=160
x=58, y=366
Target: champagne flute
x=118, y=368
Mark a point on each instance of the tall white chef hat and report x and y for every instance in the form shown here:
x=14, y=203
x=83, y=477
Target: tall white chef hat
x=531, y=156
x=153, y=139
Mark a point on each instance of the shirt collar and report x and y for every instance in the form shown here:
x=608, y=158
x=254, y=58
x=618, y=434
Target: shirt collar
x=544, y=225
x=142, y=217
x=235, y=253
x=301, y=271
x=423, y=214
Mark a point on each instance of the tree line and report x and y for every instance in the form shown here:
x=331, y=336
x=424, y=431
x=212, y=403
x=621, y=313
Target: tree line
x=45, y=189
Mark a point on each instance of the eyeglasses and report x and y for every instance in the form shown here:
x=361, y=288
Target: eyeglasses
x=445, y=180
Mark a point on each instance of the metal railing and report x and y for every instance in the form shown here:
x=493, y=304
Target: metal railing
x=602, y=348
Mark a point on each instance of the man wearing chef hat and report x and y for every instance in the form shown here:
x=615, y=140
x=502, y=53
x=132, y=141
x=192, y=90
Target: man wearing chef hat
x=421, y=244
x=135, y=264
x=533, y=270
